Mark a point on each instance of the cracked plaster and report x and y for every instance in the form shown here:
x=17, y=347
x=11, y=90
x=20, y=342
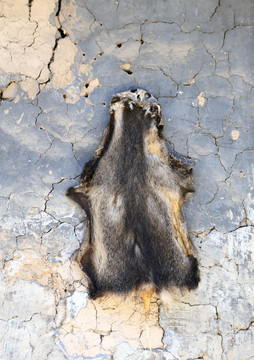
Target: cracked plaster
x=60, y=63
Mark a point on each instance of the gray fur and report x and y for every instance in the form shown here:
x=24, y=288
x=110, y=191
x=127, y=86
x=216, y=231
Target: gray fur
x=132, y=191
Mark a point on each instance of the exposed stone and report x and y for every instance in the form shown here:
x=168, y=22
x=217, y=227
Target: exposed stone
x=30, y=86
x=27, y=45
x=63, y=60
x=10, y=91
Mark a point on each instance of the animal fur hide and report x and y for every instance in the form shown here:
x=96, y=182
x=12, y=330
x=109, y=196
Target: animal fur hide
x=132, y=191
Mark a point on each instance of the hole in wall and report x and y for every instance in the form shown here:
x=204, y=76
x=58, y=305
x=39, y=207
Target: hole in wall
x=127, y=68
x=62, y=33
x=129, y=72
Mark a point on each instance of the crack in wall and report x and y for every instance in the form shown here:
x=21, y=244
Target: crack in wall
x=215, y=10
x=62, y=34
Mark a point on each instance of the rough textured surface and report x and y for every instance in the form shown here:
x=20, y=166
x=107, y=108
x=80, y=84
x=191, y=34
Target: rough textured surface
x=60, y=63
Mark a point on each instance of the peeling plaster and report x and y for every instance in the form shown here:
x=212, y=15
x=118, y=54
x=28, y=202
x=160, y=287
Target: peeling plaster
x=63, y=60
x=201, y=99
x=26, y=46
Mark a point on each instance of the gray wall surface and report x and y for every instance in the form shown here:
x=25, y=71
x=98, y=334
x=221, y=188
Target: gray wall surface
x=60, y=64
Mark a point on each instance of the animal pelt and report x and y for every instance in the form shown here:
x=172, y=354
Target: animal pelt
x=132, y=191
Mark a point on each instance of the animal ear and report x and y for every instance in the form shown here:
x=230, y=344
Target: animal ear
x=78, y=194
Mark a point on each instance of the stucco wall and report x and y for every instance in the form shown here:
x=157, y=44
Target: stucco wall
x=60, y=64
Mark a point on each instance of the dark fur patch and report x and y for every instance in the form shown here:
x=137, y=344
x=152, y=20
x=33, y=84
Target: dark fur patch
x=132, y=191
